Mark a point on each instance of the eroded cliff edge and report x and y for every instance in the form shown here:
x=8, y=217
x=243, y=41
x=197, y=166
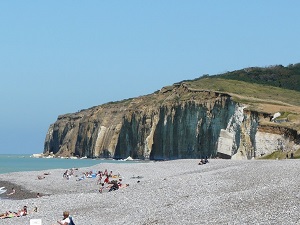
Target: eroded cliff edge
x=175, y=122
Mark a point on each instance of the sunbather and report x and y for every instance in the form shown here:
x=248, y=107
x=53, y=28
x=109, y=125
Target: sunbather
x=23, y=211
x=12, y=191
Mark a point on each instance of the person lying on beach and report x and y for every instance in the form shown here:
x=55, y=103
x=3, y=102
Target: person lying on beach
x=3, y=215
x=12, y=191
x=8, y=214
x=80, y=178
x=124, y=185
x=22, y=212
x=40, y=177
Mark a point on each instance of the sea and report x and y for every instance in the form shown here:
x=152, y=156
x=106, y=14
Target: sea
x=19, y=163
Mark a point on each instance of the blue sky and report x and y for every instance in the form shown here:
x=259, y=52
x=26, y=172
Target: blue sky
x=59, y=57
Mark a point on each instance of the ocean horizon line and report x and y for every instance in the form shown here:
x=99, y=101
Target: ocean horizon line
x=10, y=163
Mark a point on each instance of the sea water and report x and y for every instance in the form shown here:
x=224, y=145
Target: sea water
x=19, y=163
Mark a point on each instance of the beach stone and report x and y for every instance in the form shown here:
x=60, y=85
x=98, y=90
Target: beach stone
x=169, y=192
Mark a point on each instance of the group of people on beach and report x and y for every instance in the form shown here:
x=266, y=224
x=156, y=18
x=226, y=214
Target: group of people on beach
x=111, y=181
x=106, y=179
x=10, y=214
x=69, y=173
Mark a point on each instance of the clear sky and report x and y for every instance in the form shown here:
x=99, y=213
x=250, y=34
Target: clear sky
x=59, y=57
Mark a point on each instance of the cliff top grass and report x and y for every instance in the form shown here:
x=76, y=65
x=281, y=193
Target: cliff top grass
x=248, y=92
x=281, y=155
x=258, y=97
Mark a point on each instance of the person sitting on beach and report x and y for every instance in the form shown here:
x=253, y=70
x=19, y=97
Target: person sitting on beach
x=65, y=220
x=203, y=161
x=120, y=182
x=99, y=179
x=34, y=210
x=106, y=180
x=105, y=172
x=12, y=191
x=101, y=188
x=206, y=159
x=114, y=186
x=66, y=175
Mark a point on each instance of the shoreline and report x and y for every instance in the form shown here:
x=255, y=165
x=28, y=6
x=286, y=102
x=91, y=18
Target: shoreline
x=30, y=164
x=21, y=192
x=166, y=192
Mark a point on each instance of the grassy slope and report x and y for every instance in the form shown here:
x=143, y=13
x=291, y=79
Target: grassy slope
x=248, y=92
x=281, y=155
x=277, y=76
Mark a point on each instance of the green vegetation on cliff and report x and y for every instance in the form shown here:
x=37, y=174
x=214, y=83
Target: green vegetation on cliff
x=282, y=155
x=277, y=76
x=267, y=90
x=274, y=83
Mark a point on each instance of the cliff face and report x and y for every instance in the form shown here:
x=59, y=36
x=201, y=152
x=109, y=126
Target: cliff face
x=176, y=122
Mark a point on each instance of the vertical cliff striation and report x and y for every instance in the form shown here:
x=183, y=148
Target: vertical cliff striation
x=176, y=122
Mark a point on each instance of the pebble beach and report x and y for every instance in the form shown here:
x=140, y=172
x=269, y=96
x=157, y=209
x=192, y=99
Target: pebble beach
x=166, y=192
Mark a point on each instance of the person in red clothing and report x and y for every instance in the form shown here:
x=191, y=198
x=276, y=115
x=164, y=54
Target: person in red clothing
x=106, y=180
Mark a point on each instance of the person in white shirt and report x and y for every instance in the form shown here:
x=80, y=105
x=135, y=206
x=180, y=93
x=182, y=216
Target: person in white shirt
x=66, y=219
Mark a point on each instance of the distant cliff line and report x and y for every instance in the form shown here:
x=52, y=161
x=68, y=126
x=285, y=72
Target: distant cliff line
x=179, y=121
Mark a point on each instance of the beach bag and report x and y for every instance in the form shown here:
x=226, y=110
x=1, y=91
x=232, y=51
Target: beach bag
x=71, y=221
